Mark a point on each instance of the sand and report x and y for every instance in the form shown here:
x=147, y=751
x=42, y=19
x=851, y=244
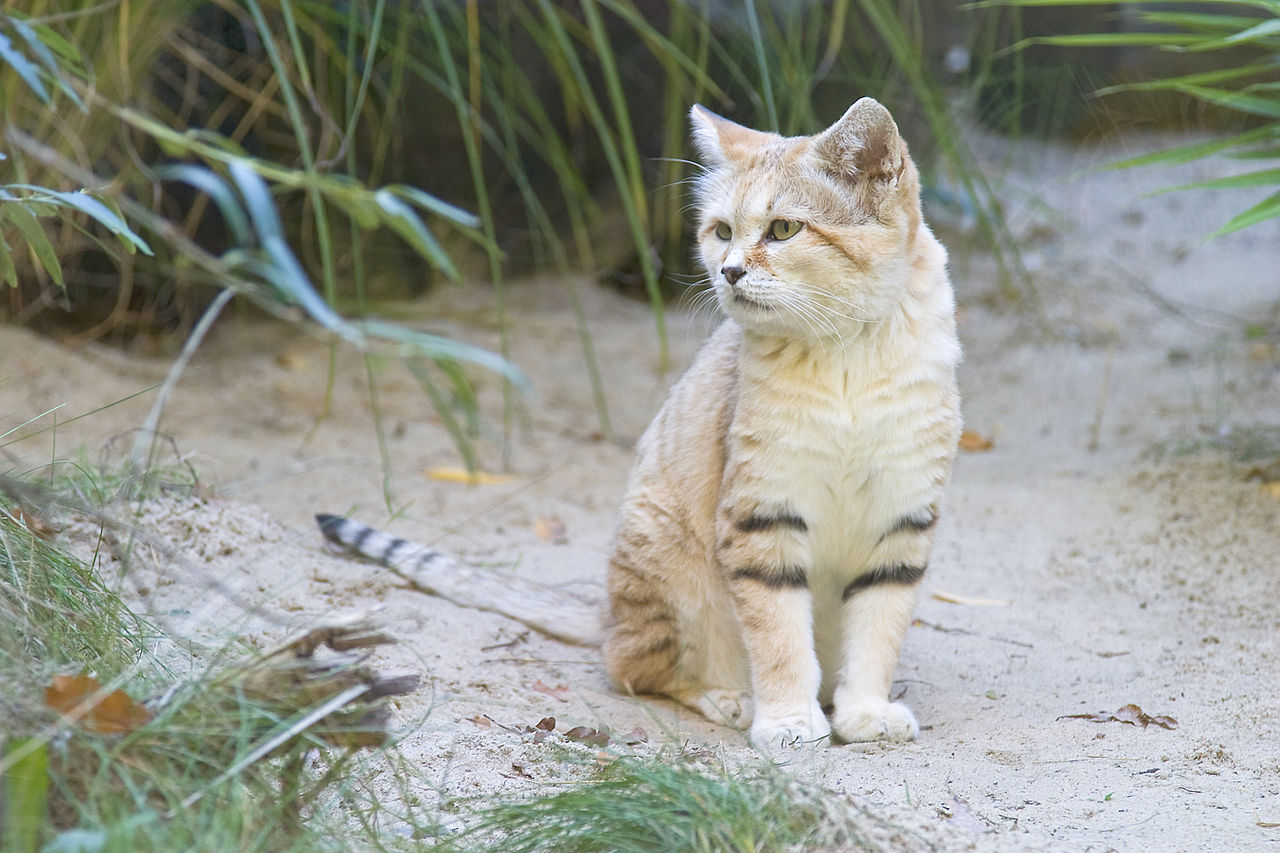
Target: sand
x=1105, y=551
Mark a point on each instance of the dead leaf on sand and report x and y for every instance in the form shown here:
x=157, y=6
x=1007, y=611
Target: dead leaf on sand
x=972, y=442
x=1131, y=714
x=561, y=692
x=582, y=734
x=77, y=697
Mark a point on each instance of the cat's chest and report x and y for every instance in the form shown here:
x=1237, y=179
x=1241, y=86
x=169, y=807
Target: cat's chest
x=848, y=445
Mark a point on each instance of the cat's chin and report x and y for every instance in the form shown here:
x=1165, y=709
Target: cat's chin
x=750, y=304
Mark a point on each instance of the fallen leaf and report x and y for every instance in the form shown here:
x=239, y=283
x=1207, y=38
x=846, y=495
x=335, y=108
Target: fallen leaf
x=1272, y=489
x=635, y=736
x=1265, y=824
x=36, y=523
x=582, y=734
x=972, y=442
x=78, y=697
x=471, y=478
x=481, y=720
x=970, y=600
x=561, y=692
x=548, y=528
x=1130, y=714
x=546, y=724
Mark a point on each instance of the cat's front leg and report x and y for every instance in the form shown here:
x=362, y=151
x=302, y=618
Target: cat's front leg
x=765, y=558
x=875, y=613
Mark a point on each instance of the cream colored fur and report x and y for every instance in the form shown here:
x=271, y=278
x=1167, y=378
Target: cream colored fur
x=782, y=505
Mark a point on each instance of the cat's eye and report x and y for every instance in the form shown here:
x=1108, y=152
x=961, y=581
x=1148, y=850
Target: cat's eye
x=784, y=229
x=723, y=231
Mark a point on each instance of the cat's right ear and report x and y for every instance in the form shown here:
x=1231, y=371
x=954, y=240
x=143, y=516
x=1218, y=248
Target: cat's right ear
x=719, y=140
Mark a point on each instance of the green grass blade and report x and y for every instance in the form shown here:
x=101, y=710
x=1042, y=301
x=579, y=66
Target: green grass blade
x=1260, y=178
x=1264, y=210
x=29, y=227
x=762, y=65
x=400, y=218
x=1239, y=101
x=1194, y=151
x=23, y=67
x=25, y=790
x=8, y=273
x=215, y=188
x=99, y=212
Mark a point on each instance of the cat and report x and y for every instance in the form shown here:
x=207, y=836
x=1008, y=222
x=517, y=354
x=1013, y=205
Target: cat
x=780, y=513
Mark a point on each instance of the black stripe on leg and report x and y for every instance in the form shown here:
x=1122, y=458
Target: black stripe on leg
x=768, y=521
x=902, y=574
x=777, y=577
x=918, y=522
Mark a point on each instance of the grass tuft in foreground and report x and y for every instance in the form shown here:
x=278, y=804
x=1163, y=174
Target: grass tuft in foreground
x=105, y=746
x=650, y=804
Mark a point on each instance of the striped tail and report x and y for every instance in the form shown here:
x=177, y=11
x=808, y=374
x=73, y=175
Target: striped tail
x=554, y=612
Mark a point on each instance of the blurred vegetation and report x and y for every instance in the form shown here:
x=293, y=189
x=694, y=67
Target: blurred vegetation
x=1156, y=58
x=311, y=155
x=560, y=124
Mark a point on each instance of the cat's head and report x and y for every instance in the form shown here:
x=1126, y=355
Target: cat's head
x=808, y=235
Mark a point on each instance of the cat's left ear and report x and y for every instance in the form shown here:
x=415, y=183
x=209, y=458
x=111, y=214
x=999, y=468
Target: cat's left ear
x=719, y=140
x=865, y=141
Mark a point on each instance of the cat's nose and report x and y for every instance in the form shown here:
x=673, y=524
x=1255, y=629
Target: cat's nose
x=732, y=274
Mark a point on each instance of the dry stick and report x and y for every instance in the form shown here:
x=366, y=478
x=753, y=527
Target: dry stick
x=146, y=440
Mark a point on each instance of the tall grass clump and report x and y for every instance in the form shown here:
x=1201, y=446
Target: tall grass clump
x=1233, y=47
x=108, y=745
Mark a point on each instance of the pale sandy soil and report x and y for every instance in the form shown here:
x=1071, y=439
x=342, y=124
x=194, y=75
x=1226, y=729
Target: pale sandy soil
x=1124, y=575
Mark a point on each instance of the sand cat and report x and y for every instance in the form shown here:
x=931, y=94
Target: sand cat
x=781, y=510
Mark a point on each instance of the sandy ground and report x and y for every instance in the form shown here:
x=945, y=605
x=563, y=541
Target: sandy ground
x=1118, y=569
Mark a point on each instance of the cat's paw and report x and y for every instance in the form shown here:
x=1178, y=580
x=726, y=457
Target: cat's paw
x=724, y=706
x=874, y=719
x=773, y=733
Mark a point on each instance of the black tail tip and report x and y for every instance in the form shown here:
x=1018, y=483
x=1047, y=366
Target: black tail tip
x=328, y=523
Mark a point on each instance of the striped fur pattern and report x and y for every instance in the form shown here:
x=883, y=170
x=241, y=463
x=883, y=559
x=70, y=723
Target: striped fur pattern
x=781, y=511
x=554, y=612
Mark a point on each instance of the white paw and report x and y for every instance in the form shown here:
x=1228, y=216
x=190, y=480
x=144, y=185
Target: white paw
x=724, y=706
x=874, y=719
x=771, y=733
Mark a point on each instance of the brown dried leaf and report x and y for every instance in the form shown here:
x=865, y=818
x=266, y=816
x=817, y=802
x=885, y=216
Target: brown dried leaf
x=1130, y=714
x=75, y=696
x=582, y=734
x=561, y=692
x=972, y=442
x=635, y=736
x=33, y=521
x=546, y=724
x=481, y=720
